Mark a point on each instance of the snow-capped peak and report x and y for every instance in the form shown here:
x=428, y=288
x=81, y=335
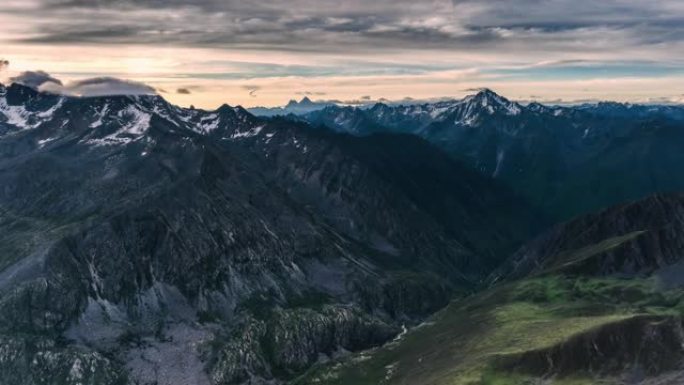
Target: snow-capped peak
x=493, y=102
x=113, y=120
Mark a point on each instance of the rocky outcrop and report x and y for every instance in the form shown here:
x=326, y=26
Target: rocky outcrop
x=405, y=296
x=641, y=346
x=26, y=360
x=637, y=238
x=291, y=340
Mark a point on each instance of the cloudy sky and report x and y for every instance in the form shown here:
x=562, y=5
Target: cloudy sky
x=248, y=52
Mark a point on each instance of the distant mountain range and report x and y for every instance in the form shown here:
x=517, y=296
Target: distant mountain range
x=567, y=160
x=294, y=107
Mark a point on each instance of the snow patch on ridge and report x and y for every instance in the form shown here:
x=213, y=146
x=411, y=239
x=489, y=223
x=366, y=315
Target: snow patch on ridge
x=249, y=133
x=499, y=161
x=100, y=117
x=20, y=117
x=42, y=143
x=208, y=123
x=139, y=123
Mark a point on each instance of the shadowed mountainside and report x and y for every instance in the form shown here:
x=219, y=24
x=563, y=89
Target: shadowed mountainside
x=145, y=243
x=597, y=300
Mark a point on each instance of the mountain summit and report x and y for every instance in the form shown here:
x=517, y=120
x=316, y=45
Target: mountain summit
x=491, y=101
x=305, y=102
x=294, y=107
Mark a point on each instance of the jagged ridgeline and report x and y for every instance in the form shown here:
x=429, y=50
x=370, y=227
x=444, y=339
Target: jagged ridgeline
x=143, y=243
x=567, y=160
x=597, y=300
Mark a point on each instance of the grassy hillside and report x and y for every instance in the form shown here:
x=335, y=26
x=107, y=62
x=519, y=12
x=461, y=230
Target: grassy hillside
x=497, y=336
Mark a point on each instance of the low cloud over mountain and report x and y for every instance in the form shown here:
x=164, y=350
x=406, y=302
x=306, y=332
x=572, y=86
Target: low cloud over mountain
x=93, y=87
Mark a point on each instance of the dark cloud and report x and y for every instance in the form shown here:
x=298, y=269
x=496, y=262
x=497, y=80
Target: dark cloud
x=101, y=86
x=474, y=90
x=93, y=87
x=35, y=79
x=327, y=25
x=310, y=93
x=183, y=91
x=252, y=90
x=677, y=100
x=4, y=64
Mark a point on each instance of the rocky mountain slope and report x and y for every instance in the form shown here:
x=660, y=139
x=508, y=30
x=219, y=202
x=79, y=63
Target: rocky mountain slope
x=143, y=243
x=567, y=160
x=597, y=300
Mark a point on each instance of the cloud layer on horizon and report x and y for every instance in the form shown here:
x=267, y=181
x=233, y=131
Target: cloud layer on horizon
x=326, y=46
x=108, y=86
x=92, y=87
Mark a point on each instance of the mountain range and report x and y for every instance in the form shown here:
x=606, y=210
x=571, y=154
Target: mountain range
x=145, y=243
x=565, y=160
x=477, y=241
x=293, y=107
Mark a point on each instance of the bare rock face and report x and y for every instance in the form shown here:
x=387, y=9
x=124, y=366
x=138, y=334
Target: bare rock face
x=156, y=244
x=32, y=360
x=293, y=340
